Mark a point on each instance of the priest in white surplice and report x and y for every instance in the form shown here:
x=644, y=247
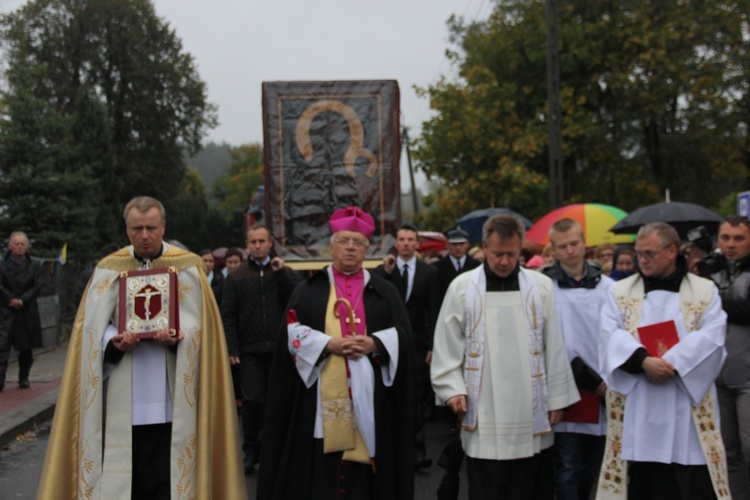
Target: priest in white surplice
x=663, y=427
x=498, y=354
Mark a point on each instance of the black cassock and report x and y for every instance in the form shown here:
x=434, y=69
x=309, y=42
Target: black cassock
x=292, y=463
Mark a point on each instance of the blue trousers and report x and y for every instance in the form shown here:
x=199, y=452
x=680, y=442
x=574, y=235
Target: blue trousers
x=578, y=458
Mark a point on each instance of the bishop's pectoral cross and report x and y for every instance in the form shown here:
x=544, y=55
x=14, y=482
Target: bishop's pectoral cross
x=351, y=318
x=356, y=319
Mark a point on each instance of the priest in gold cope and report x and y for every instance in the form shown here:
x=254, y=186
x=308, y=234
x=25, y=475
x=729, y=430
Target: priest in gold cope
x=145, y=418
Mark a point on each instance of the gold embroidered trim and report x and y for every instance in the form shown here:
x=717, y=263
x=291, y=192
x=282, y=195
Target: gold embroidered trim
x=613, y=476
x=101, y=289
x=335, y=409
x=704, y=417
x=185, y=465
x=184, y=290
x=85, y=489
x=192, y=352
x=121, y=260
x=92, y=387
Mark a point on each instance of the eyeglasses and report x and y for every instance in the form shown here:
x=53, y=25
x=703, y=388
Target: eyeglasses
x=345, y=242
x=649, y=255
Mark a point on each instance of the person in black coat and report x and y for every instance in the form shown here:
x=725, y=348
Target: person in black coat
x=20, y=325
x=456, y=262
x=303, y=457
x=253, y=298
x=417, y=283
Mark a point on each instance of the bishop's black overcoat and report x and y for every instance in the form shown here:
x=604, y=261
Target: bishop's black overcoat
x=288, y=444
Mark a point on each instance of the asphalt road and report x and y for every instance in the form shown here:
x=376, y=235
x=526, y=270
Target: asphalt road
x=21, y=465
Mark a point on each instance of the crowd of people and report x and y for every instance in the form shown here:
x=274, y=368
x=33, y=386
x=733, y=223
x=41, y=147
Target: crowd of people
x=568, y=372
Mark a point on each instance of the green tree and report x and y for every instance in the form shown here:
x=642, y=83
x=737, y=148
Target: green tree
x=47, y=174
x=118, y=74
x=210, y=162
x=191, y=220
x=90, y=131
x=234, y=189
x=652, y=98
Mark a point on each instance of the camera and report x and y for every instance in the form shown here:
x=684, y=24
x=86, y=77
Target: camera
x=701, y=238
x=713, y=262
x=710, y=264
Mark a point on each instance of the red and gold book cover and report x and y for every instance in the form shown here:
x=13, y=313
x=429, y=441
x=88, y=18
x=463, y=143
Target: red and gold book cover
x=658, y=338
x=149, y=302
x=586, y=410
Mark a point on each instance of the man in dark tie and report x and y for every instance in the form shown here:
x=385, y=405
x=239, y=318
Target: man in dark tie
x=457, y=261
x=418, y=284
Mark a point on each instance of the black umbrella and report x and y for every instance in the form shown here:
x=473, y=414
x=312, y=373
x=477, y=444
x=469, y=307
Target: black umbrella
x=473, y=221
x=682, y=216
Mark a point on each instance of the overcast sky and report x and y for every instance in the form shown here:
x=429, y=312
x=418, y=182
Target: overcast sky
x=237, y=44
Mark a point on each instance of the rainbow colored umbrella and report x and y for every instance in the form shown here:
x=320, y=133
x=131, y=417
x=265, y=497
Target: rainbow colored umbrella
x=596, y=220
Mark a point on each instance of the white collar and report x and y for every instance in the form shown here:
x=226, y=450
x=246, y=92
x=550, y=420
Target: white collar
x=411, y=262
x=263, y=262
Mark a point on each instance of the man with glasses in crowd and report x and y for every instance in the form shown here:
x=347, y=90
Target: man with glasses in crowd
x=340, y=415
x=663, y=414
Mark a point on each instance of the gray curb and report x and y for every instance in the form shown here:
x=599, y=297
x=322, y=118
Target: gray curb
x=25, y=416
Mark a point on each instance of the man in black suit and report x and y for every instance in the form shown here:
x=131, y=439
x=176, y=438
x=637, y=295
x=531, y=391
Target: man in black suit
x=418, y=284
x=457, y=261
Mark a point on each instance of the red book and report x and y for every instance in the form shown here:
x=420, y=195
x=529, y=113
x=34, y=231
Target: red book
x=585, y=411
x=658, y=338
x=149, y=302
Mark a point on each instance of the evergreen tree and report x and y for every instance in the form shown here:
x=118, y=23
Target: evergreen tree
x=47, y=179
x=192, y=221
x=111, y=77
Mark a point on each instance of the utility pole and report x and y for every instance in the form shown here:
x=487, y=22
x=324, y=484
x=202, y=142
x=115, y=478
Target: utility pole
x=554, y=117
x=414, y=204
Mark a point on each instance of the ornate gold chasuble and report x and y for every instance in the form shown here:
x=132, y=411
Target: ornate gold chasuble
x=205, y=457
x=695, y=296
